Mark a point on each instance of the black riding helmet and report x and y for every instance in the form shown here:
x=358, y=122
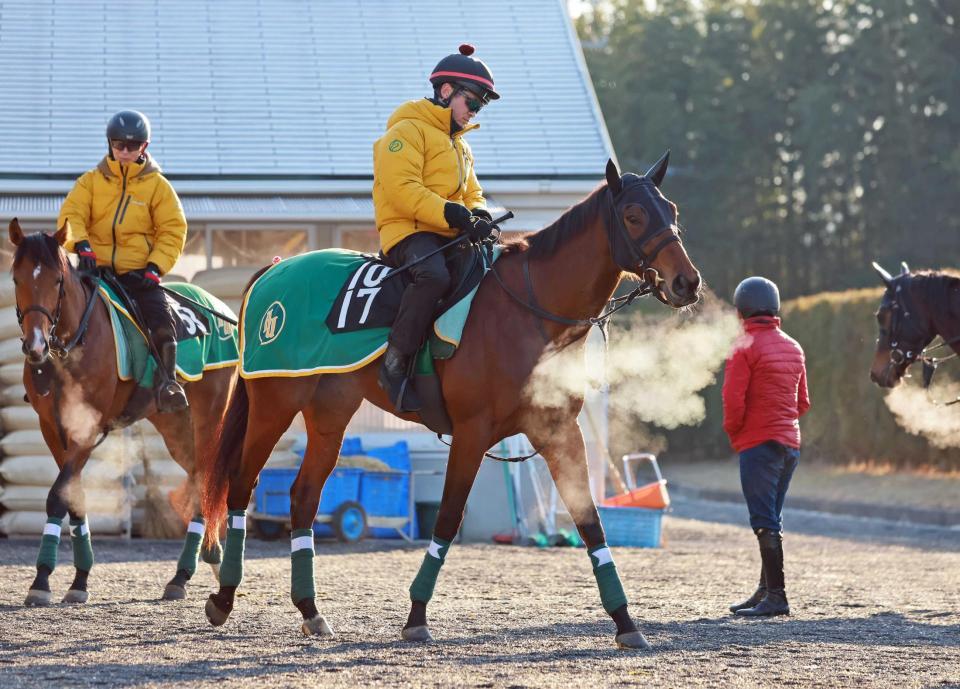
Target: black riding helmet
x=128, y=125
x=465, y=71
x=756, y=296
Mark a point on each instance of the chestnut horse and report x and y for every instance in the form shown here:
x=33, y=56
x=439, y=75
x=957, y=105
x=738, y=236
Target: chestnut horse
x=916, y=307
x=70, y=375
x=546, y=289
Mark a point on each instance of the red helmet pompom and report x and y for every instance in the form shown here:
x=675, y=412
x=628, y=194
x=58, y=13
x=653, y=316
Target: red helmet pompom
x=466, y=49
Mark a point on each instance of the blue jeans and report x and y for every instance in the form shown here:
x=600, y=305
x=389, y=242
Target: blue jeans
x=765, y=473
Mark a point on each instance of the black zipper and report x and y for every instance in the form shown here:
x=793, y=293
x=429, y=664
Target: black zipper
x=113, y=230
x=124, y=212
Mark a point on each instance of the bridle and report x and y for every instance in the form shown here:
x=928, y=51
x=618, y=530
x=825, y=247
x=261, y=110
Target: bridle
x=906, y=348
x=58, y=348
x=628, y=255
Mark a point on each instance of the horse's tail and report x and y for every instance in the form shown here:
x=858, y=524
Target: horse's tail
x=227, y=450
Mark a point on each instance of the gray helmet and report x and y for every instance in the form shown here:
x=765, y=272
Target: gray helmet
x=128, y=125
x=756, y=295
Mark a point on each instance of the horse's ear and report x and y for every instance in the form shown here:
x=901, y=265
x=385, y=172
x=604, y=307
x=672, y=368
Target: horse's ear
x=16, y=234
x=613, y=177
x=61, y=234
x=904, y=268
x=884, y=275
x=659, y=169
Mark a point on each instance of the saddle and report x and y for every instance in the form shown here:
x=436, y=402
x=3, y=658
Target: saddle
x=370, y=297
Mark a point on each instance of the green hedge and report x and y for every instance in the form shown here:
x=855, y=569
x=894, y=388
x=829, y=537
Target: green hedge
x=848, y=420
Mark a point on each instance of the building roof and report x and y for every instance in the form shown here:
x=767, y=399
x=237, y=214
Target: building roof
x=291, y=89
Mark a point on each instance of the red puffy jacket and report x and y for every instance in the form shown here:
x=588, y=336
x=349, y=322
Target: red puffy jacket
x=764, y=386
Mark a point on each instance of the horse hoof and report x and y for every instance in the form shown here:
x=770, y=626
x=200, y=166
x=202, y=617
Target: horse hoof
x=216, y=616
x=633, y=640
x=215, y=566
x=421, y=633
x=75, y=596
x=37, y=597
x=174, y=592
x=316, y=626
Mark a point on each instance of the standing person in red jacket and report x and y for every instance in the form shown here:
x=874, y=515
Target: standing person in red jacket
x=764, y=396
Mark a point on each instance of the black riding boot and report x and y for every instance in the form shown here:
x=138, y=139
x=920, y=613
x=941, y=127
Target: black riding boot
x=170, y=394
x=755, y=598
x=394, y=380
x=774, y=602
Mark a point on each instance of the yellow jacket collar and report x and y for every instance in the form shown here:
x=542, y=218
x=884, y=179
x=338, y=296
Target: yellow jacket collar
x=111, y=168
x=430, y=113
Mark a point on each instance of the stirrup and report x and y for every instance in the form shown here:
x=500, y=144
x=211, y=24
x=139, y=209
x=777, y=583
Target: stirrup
x=171, y=398
x=401, y=393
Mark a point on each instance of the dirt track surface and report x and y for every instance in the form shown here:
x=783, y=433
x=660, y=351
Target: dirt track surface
x=874, y=604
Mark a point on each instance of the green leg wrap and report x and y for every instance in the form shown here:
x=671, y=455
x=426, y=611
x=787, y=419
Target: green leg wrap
x=191, y=546
x=82, y=548
x=608, y=580
x=301, y=561
x=49, y=543
x=231, y=571
x=421, y=589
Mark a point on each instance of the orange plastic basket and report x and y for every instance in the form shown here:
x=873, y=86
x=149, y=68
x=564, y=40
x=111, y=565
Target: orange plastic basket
x=652, y=496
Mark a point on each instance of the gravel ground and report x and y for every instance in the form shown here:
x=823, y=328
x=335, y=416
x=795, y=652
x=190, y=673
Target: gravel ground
x=875, y=604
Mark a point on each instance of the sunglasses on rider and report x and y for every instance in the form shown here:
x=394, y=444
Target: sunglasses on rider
x=473, y=102
x=126, y=145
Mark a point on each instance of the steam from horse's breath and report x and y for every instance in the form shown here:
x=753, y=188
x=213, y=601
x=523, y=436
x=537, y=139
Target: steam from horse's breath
x=920, y=412
x=655, y=369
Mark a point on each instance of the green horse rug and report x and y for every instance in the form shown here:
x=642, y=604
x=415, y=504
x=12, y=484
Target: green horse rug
x=330, y=311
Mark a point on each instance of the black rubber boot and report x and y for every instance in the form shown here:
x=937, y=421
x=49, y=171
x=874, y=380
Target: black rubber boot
x=393, y=378
x=774, y=602
x=755, y=598
x=170, y=394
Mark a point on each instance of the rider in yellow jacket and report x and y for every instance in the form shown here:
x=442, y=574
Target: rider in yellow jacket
x=425, y=192
x=125, y=216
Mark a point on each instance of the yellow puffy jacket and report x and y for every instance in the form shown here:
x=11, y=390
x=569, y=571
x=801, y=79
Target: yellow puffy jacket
x=418, y=166
x=131, y=217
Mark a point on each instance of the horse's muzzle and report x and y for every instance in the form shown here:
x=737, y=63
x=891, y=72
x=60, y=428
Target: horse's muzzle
x=37, y=352
x=683, y=291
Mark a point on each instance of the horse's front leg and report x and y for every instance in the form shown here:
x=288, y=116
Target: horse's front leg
x=66, y=495
x=566, y=456
x=466, y=453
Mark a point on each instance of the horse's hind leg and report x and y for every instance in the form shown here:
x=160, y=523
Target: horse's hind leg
x=326, y=419
x=186, y=435
x=466, y=453
x=563, y=448
x=273, y=404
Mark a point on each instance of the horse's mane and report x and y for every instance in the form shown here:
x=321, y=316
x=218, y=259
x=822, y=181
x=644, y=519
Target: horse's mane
x=545, y=243
x=936, y=288
x=42, y=248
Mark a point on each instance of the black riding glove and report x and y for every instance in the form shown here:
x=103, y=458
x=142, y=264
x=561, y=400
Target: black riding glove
x=88, y=259
x=481, y=229
x=457, y=216
x=481, y=213
x=147, y=278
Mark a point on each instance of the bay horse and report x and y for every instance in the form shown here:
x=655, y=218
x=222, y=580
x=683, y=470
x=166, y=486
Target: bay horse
x=915, y=308
x=71, y=379
x=547, y=289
